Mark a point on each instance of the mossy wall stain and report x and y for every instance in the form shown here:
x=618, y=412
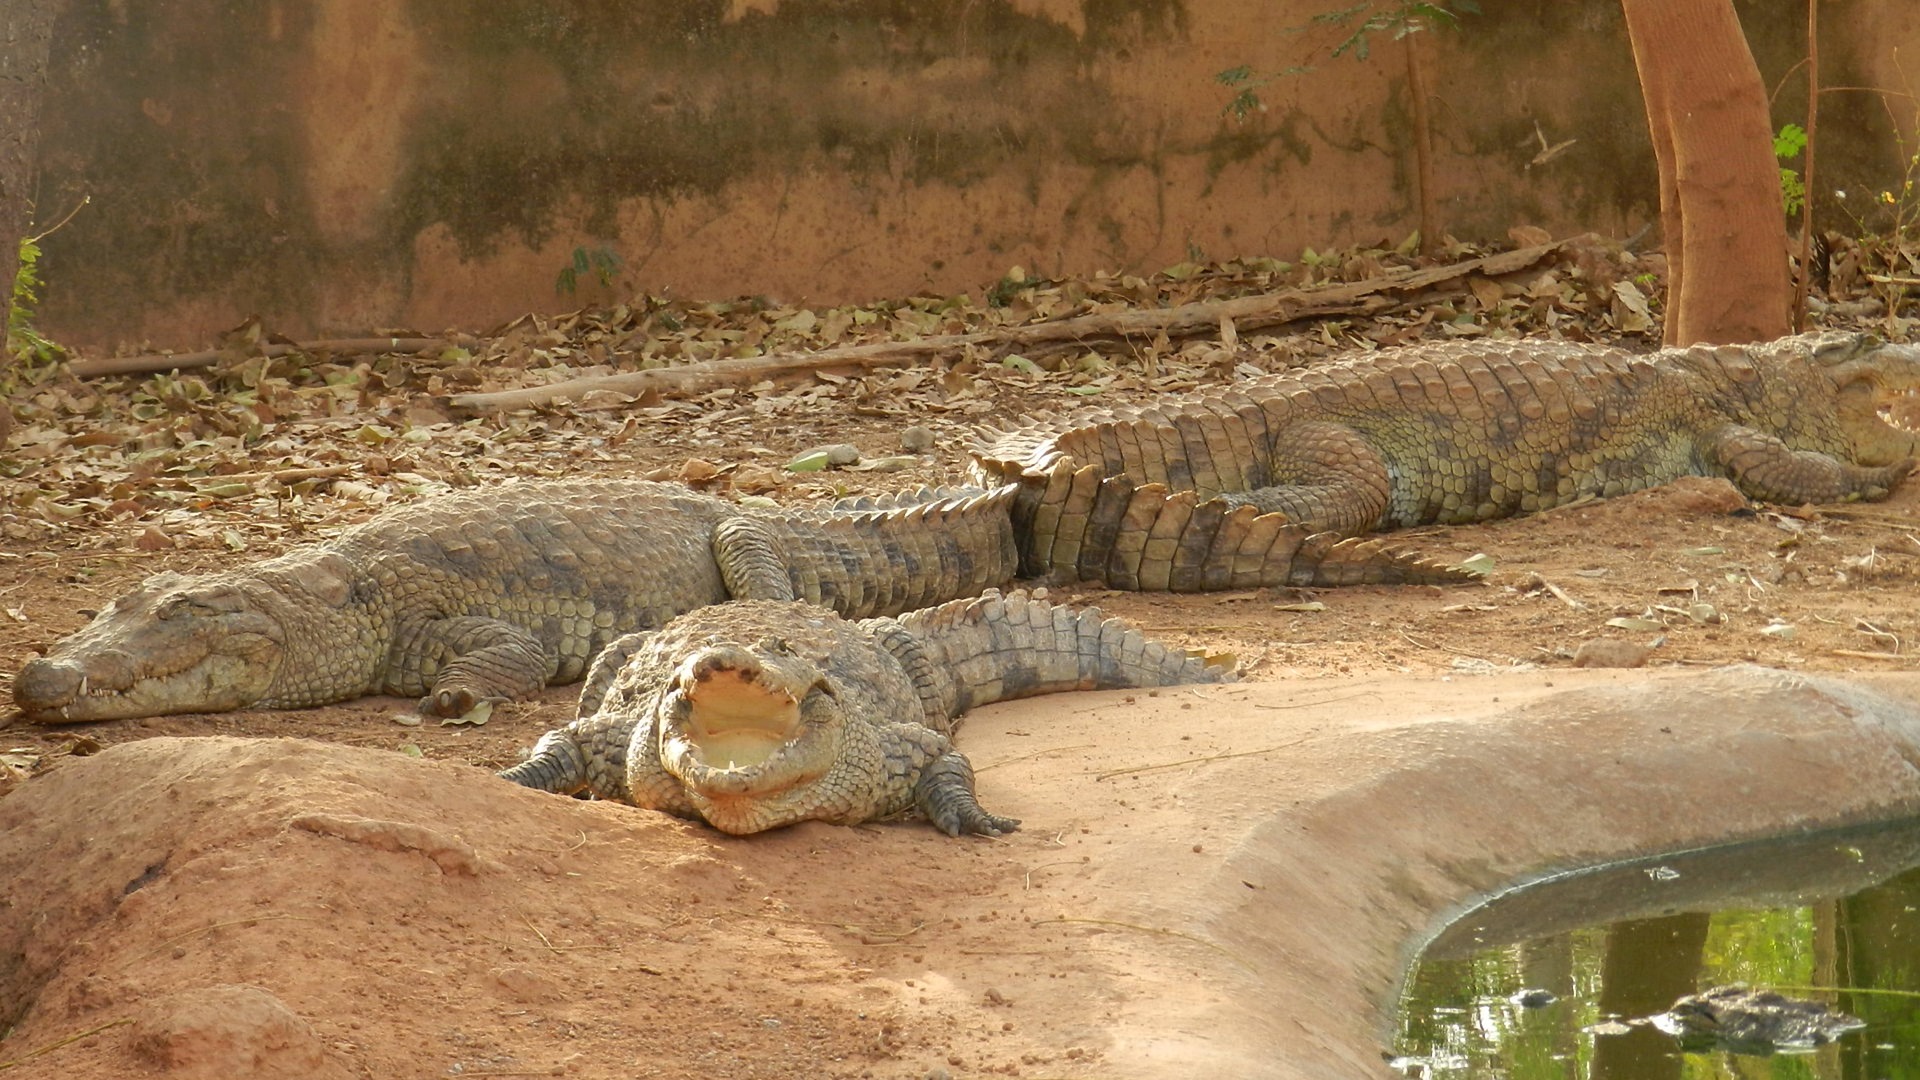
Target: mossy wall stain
x=666, y=99
x=340, y=165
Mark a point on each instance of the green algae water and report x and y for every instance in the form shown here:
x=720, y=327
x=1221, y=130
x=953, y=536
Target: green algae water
x=1560, y=980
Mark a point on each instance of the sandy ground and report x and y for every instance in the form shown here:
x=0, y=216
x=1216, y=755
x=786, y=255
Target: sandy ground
x=1211, y=881
x=331, y=892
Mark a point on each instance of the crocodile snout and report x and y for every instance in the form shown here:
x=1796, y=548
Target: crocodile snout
x=47, y=686
x=43, y=685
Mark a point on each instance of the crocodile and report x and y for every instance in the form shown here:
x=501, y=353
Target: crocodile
x=494, y=593
x=1441, y=433
x=1741, y=1020
x=753, y=715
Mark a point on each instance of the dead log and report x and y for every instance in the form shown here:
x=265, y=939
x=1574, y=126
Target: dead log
x=1359, y=298
x=151, y=363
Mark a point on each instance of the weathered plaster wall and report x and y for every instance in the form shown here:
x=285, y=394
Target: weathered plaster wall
x=339, y=165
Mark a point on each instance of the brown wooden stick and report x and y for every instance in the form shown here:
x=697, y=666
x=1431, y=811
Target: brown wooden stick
x=1368, y=297
x=283, y=476
x=1805, y=279
x=155, y=362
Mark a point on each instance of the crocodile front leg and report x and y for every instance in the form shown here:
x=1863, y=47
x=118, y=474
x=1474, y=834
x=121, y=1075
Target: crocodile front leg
x=1328, y=478
x=606, y=668
x=1765, y=468
x=464, y=661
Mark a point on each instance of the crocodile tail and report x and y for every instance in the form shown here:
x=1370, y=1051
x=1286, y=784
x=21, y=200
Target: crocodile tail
x=1076, y=524
x=915, y=497
x=896, y=554
x=1003, y=455
x=557, y=764
x=1217, y=442
x=995, y=648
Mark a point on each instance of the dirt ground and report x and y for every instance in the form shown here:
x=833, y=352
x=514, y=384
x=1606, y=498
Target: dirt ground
x=690, y=935
x=1692, y=571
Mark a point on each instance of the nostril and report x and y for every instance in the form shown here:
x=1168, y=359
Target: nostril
x=44, y=683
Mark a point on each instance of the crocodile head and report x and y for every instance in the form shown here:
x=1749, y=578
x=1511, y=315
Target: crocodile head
x=175, y=644
x=753, y=735
x=1873, y=380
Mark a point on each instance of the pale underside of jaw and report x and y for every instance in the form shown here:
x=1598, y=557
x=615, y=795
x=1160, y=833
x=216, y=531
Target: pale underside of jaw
x=736, y=722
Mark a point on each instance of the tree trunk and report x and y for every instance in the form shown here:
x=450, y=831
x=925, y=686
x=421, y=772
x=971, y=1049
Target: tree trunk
x=1720, y=208
x=26, y=31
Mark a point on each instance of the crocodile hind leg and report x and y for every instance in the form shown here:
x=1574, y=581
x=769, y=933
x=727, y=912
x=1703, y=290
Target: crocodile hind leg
x=1328, y=478
x=944, y=793
x=471, y=659
x=1765, y=468
x=750, y=561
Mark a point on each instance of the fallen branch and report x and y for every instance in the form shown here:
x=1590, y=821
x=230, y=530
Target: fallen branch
x=1363, y=298
x=150, y=363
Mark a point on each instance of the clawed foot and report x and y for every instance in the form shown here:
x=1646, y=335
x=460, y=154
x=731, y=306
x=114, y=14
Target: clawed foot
x=452, y=701
x=973, y=821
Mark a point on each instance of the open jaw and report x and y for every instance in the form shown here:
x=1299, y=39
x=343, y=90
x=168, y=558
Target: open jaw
x=745, y=736
x=1879, y=404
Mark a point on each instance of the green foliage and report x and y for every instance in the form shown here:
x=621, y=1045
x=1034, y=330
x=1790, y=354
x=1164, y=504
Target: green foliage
x=1787, y=145
x=1399, y=20
x=27, y=351
x=601, y=261
x=1010, y=285
x=1246, y=84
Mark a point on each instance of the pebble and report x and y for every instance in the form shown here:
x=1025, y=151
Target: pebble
x=917, y=438
x=838, y=453
x=1611, y=653
x=832, y=455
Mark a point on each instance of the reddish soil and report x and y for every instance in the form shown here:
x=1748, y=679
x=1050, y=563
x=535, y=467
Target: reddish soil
x=285, y=909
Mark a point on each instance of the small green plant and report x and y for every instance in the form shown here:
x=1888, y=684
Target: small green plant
x=1887, y=232
x=1399, y=20
x=601, y=261
x=27, y=349
x=1010, y=285
x=1365, y=19
x=1787, y=145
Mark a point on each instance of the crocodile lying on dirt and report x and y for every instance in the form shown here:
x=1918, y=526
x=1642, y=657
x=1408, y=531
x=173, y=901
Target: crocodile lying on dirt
x=494, y=593
x=754, y=715
x=1742, y=1020
x=1442, y=433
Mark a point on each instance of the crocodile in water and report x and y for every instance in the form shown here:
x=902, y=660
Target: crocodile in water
x=1742, y=1020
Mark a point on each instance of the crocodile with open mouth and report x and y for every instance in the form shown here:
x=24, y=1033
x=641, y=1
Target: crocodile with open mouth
x=754, y=715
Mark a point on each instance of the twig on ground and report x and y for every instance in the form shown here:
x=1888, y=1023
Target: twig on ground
x=1371, y=297
x=151, y=363
x=1111, y=773
x=68, y=1041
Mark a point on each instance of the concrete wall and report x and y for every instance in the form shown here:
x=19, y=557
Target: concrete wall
x=344, y=165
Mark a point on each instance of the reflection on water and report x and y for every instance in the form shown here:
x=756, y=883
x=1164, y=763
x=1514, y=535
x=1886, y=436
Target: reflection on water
x=1620, y=943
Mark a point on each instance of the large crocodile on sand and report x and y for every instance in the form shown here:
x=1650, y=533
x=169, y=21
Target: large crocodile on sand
x=494, y=593
x=755, y=715
x=1452, y=432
